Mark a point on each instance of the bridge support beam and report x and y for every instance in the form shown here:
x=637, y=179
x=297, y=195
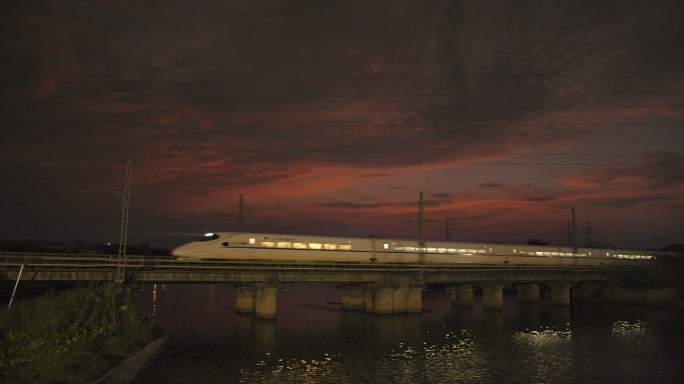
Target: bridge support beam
x=462, y=294
x=528, y=293
x=266, y=301
x=354, y=298
x=492, y=294
x=560, y=292
x=246, y=299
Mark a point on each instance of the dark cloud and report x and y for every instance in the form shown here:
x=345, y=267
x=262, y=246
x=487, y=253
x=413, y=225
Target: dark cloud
x=538, y=199
x=345, y=205
x=491, y=185
x=315, y=101
x=441, y=195
x=633, y=201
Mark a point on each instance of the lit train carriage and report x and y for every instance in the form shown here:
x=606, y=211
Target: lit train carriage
x=279, y=247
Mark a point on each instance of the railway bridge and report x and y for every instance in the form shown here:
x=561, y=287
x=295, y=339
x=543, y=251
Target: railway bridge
x=376, y=288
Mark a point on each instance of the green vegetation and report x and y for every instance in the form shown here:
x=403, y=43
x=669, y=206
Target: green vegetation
x=667, y=271
x=72, y=336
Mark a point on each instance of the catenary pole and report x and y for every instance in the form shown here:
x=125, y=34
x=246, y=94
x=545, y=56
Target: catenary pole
x=121, y=269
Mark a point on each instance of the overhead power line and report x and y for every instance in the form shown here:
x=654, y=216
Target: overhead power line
x=407, y=96
x=378, y=109
x=399, y=126
x=304, y=150
x=355, y=79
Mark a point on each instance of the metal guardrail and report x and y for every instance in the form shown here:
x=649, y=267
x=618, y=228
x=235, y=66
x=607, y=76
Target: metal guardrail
x=77, y=262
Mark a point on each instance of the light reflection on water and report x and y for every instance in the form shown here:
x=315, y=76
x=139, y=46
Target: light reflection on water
x=314, y=341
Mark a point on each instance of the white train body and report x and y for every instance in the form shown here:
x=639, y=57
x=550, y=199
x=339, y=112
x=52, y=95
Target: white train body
x=301, y=248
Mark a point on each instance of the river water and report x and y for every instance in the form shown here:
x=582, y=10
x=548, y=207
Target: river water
x=313, y=341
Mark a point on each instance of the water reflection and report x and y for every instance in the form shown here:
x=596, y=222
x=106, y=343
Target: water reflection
x=313, y=340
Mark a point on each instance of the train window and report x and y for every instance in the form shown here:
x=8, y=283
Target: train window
x=554, y=253
x=386, y=246
x=514, y=250
x=398, y=248
x=608, y=254
x=225, y=244
x=409, y=249
x=539, y=253
x=432, y=249
x=284, y=244
x=490, y=250
x=345, y=247
x=451, y=250
x=472, y=251
x=329, y=246
x=461, y=250
x=252, y=241
x=441, y=250
x=300, y=245
x=481, y=251
x=267, y=244
x=315, y=246
x=209, y=237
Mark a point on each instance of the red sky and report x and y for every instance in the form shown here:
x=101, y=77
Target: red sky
x=331, y=117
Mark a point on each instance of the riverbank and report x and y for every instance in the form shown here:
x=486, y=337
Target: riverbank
x=73, y=336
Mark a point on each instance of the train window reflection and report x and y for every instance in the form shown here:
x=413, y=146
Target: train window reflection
x=284, y=244
x=315, y=246
x=329, y=246
x=432, y=249
x=451, y=250
x=267, y=244
x=441, y=250
x=300, y=245
x=345, y=247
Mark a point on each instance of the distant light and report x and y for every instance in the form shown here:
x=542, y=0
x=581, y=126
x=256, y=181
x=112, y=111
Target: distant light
x=109, y=243
x=209, y=234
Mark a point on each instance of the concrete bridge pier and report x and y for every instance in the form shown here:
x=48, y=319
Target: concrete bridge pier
x=408, y=298
x=354, y=297
x=265, y=307
x=387, y=299
x=560, y=292
x=528, y=293
x=492, y=294
x=462, y=294
x=380, y=299
x=246, y=299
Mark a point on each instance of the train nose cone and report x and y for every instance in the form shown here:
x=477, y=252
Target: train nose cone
x=181, y=251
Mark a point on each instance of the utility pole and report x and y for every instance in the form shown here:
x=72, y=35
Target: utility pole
x=421, y=231
x=569, y=242
x=35, y=229
x=575, y=255
x=447, y=229
x=588, y=231
x=241, y=217
x=121, y=269
x=420, y=222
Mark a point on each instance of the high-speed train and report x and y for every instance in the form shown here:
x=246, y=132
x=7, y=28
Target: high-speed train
x=275, y=247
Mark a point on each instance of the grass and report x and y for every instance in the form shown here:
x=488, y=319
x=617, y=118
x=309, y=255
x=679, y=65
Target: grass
x=73, y=336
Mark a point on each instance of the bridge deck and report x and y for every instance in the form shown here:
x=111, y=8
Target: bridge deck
x=151, y=268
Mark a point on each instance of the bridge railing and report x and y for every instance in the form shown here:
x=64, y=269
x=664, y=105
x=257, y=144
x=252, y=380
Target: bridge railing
x=72, y=262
